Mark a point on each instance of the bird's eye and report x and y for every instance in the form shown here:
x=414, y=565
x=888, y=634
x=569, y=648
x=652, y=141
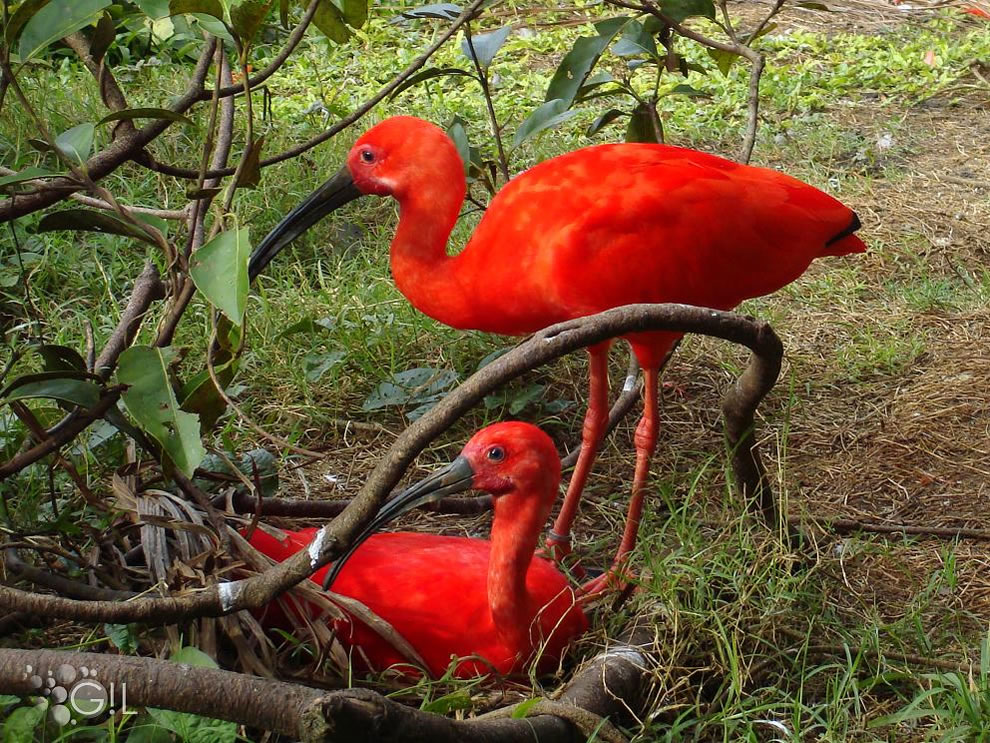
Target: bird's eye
x=367, y=156
x=496, y=454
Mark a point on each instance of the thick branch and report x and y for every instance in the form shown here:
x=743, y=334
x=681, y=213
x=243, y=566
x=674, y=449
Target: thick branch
x=610, y=686
x=544, y=346
x=739, y=408
x=60, y=584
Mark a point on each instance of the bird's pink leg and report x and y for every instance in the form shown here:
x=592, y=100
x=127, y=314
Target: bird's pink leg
x=646, y=444
x=595, y=420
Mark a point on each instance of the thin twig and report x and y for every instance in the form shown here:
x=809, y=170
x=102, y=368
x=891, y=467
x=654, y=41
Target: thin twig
x=116, y=154
x=345, y=122
x=503, y=162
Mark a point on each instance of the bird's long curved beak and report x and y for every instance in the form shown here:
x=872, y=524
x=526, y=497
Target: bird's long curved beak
x=456, y=477
x=336, y=192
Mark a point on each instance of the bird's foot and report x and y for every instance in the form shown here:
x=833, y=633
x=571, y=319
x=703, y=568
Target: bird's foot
x=558, y=550
x=679, y=389
x=615, y=579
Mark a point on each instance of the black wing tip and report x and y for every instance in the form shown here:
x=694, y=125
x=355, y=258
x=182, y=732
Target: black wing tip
x=854, y=225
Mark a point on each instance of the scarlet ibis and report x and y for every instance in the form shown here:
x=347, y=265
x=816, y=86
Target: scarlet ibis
x=456, y=596
x=600, y=227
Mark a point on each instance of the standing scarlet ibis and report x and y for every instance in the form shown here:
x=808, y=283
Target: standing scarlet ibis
x=600, y=227
x=455, y=596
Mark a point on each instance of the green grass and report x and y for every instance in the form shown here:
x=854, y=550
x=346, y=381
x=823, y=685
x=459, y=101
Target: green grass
x=719, y=592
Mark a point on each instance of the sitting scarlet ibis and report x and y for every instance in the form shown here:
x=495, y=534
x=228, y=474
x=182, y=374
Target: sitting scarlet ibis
x=455, y=596
x=600, y=227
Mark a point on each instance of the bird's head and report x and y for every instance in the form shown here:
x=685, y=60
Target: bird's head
x=402, y=157
x=515, y=462
x=513, y=457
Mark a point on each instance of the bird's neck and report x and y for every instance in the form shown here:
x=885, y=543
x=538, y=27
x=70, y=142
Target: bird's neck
x=422, y=270
x=513, y=541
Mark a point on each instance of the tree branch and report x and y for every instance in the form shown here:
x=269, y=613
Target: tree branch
x=544, y=346
x=609, y=687
x=733, y=46
x=120, y=151
x=345, y=122
x=147, y=288
x=61, y=435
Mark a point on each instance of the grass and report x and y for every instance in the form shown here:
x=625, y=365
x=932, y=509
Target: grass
x=757, y=642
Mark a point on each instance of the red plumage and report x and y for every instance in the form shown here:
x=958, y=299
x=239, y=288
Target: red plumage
x=593, y=229
x=455, y=596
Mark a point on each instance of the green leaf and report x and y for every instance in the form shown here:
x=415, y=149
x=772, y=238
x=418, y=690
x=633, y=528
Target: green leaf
x=144, y=730
x=151, y=402
x=604, y=120
x=193, y=657
x=21, y=724
x=193, y=728
x=593, y=81
x=678, y=10
x=213, y=26
x=636, y=41
x=444, y=11
x=687, y=90
x=579, y=61
x=123, y=637
x=428, y=74
x=74, y=388
x=421, y=386
x=61, y=358
x=200, y=396
x=523, y=708
x=153, y=8
x=55, y=20
x=550, y=114
x=444, y=705
x=486, y=46
x=355, y=12
x=723, y=60
x=525, y=397
x=24, y=13
x=315, y=365
x=250, y=174
x=247, y=16
x=159, y=223
x=219, y=270
x=72, y=391
x=640, y=128
x=211, y=8
x=308, y=325
x=88, y=220
x=7, y=700
x=330, y=22
x=76, y=143
x=144, y=113
x=27, y=174
x=103, y=37
x=458, y=135
x=762, y=32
